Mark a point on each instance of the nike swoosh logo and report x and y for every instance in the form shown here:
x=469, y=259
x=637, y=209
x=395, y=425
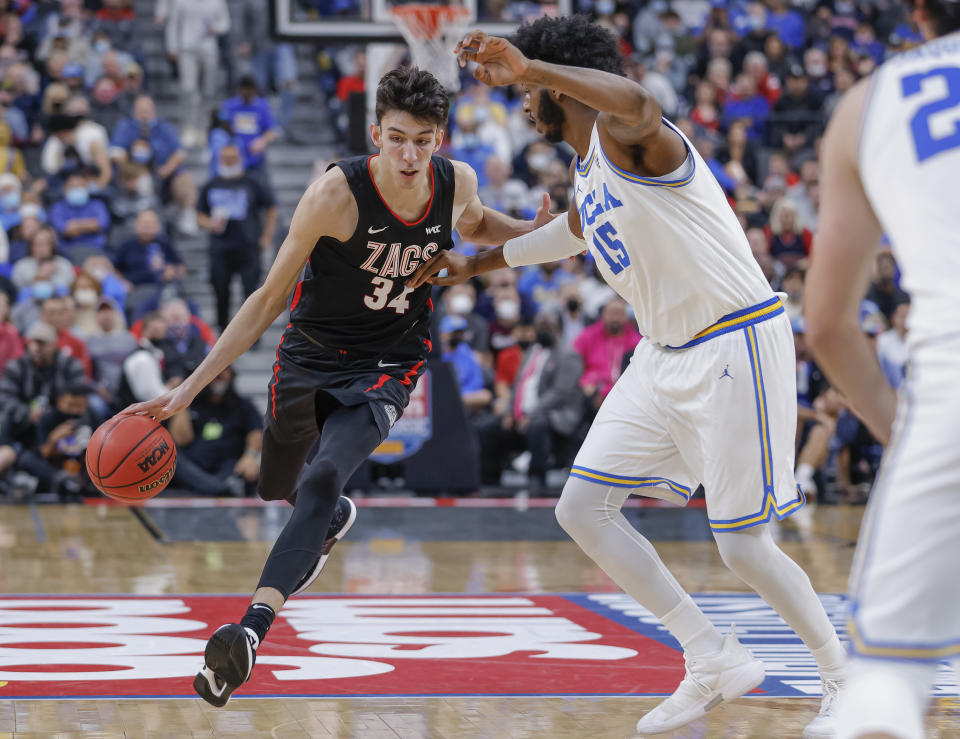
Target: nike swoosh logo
x=373, y=230
x=381, y=364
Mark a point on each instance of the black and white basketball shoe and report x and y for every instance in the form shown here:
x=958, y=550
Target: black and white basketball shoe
x=343, y=517
x=228, y=661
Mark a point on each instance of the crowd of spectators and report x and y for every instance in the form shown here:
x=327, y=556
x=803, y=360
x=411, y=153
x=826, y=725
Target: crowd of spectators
x=95, y=198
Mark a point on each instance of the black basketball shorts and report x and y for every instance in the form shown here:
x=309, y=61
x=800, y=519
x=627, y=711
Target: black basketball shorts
x=302, y=369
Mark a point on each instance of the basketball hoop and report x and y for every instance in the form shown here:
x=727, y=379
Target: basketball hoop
x=432, y=32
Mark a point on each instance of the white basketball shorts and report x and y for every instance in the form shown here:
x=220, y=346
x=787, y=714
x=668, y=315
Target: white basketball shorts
x=904, y=588
x=721, y=411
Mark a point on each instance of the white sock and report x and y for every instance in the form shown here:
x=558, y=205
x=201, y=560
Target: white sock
x=831, y=659
x=692, y=629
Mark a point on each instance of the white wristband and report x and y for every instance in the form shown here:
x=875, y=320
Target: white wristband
x=549, y=243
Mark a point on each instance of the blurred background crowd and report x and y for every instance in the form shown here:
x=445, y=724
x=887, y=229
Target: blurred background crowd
x=144, y=187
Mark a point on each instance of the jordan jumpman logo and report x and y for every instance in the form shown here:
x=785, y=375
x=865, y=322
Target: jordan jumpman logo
x=726, y=373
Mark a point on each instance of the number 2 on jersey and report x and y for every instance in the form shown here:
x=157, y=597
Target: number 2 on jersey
x=382, y=287
x=926, y=144
x=606, y=242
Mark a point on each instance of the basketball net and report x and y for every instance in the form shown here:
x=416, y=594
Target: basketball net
x=432, y=33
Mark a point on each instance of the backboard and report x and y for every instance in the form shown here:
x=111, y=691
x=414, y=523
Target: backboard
x=369, y=21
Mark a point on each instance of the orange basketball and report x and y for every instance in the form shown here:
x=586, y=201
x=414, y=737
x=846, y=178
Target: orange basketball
x=131, y=458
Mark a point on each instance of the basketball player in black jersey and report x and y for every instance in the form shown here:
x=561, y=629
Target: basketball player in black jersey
x=356, y=342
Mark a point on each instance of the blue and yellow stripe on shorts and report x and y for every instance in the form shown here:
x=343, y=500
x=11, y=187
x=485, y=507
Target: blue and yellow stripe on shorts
x=622, y=481
x=862, y=647
x=736, y=321
x=769, y=506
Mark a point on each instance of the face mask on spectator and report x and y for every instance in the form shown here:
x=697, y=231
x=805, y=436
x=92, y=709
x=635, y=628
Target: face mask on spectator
x=99, y=273
x=102, y=46
x=10, y=200
x=86, y=297
x=540, y=161
x=141, y=154
x=77, y=196
x=507, y=310
x=573, y=305
x=218, y=388
x=455, y=341
x=42, y=290
x=605, y=7
x=461, y=304
x=816, y=69
x=524, y=344
x=470, y=140
x=230, y=171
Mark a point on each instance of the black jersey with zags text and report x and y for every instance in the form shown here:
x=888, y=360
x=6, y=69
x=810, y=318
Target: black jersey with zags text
x=353, y=296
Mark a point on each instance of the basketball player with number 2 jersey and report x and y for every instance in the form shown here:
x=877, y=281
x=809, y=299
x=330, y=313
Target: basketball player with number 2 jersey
x=710, y=394
x=891, y=157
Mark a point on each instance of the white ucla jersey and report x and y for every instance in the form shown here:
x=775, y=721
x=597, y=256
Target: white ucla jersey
x=670, y=246
x=909, y=164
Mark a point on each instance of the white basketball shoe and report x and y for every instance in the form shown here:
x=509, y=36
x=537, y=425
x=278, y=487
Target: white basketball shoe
x=824, y=726
x=710, y=680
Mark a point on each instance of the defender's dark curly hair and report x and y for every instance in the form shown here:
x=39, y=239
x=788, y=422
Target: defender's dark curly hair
x=414, y=91
x=572, y=40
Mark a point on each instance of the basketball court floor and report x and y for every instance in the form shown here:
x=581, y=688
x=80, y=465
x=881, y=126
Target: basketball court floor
x=457, y=619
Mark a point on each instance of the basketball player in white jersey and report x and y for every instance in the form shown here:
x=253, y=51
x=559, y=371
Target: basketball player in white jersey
x=710, y=395
x=891, y=157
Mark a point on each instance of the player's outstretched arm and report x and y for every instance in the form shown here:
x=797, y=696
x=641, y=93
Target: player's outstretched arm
x=322, y=207
x=559, y=239
x=843, y=254
x=485, y=226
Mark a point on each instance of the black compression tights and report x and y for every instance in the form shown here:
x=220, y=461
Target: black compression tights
x=349, y=436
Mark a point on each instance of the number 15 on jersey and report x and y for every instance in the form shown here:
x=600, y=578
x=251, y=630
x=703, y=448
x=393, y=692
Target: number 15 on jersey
x=612, y=250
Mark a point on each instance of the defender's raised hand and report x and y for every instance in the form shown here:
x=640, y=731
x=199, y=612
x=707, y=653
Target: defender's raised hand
x=498, y=61
x=544, y=216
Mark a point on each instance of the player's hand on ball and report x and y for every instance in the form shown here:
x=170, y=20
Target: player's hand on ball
x=163, y=406
x=459, y=268
x=498, y=61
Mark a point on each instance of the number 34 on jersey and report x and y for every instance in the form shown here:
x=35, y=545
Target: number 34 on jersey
x=388, y=264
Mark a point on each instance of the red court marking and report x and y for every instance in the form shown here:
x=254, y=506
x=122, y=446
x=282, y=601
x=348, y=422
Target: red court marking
x=333, y=645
